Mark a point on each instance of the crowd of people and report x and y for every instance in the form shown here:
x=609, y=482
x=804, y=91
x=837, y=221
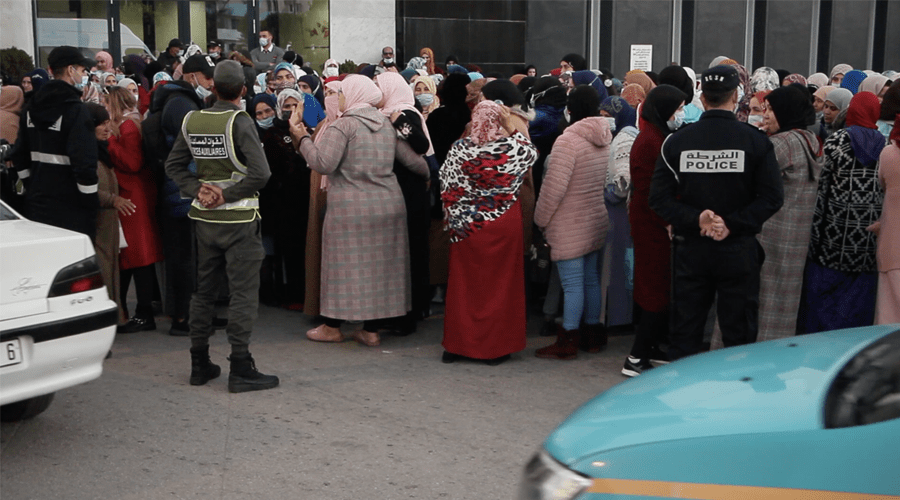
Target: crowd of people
x=770, y=197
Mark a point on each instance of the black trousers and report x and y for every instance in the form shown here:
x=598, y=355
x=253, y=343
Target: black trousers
x=703, y=269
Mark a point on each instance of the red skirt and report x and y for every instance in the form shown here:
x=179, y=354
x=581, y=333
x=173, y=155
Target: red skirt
x=485, y=314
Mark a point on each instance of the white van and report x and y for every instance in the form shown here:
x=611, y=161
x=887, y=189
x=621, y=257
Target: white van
x=89, y=35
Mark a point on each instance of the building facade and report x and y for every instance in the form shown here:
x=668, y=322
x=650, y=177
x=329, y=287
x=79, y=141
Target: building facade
x=802, y=36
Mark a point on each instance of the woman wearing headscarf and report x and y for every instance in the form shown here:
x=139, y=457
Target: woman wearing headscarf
x=425, y=92
x=764, y=78
x=284, y=77
x=640, y=78
x=548, y=99
x=652, y=268
x=365, y=265
x=745, y=92
x=571, y=213
x=289, y=189
x=445, y=126
x=428, y=55
x=838, y=72
x=36, y=79
x=104, y=61
x=473, y=90
x=133, y=66
x=836, y=103
x=11, y=101
x=818, y=80
x=852, y=80
x=330, y=68
x=398, y=105
x=136, y=183
x=678, y=77
x=588, y=77
x=318, y=195
x=794, y=78
x=573, y=62
x=91, y=93
x=112, y=205
x=819, y=97
x=887, y=306
x=633, y=94
x=876, y=84
x=310, y=84
x=479, y=187
x=758, y=108
x=618, y=255
x=890, y=106
x=841, y=275
x=785, y=236
x=262, y=109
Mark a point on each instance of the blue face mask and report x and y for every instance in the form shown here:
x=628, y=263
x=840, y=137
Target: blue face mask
x=266, y=123
x=83, y=84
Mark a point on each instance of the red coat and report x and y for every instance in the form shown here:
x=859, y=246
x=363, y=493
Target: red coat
x=652, y=267
x=136, y=183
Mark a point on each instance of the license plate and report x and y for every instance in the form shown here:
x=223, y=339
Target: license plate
x=12, y=353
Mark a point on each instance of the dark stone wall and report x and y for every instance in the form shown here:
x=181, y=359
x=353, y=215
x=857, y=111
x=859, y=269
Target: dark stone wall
x=555, y=28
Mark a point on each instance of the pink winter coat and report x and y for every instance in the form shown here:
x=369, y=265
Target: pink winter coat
x=570, y=208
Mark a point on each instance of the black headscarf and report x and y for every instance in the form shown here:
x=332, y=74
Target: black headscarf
x=782, y=74
x=677, y=77
x=503, y=90
x=316, y=85
x=583, y=102
x=548, y=91
x=98, y=116
x=661, y=103
x=578, y=63
x=652, y=76
x=453, y=89
x=791, y=107
x=526, y=83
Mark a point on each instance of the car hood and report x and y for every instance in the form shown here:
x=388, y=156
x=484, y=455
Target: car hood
x=770, y=386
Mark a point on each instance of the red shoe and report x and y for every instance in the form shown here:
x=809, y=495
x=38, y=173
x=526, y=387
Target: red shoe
x=565, y=347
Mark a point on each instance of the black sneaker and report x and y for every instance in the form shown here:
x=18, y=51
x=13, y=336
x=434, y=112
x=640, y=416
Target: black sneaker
x=137, y=324
x=635, y=366
x=180, y=328
x=658, y=356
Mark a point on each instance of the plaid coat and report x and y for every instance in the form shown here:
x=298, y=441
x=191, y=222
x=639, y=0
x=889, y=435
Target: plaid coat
x=365, y=258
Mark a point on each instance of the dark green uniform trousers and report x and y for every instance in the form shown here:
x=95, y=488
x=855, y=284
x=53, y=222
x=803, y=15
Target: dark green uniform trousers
x=236, y=251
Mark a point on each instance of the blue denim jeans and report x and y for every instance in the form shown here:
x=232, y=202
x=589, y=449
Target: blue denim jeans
x=580, y=279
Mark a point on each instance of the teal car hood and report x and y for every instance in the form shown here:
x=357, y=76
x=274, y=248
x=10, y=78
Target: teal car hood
x=764, y=387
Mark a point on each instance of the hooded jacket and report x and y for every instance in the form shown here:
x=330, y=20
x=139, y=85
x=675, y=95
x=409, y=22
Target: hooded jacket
x=56, y=157
x=570, y=208
x=168, y=107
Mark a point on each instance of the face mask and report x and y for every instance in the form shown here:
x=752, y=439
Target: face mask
x=202, y=92
x=214, y=55
x=425, y=100
x=612, y=123
x=755, y=120
x=388, y=60
x=266, y=123
x=286, y=115
x=263, y=41
x=677, y=122
x=330, y=71
x=137, y=97
x=119, y=78
x=180, y=52
x=84, y=82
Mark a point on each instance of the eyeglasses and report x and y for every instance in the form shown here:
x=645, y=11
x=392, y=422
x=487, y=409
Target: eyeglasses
x=387, y=54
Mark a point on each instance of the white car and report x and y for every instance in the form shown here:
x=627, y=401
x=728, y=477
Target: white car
x=57, y=322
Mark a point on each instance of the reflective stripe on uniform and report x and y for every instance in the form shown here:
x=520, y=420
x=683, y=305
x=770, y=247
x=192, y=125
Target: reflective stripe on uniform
x=88, y=189
x=246, y=203
x=699, y=491
x=24, y=174
x=49, y=158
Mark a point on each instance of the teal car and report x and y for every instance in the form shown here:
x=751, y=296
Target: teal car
x=813, y=417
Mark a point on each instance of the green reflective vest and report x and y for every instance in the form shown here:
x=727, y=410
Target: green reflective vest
x=209, y=136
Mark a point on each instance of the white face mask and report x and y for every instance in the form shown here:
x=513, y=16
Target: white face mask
x=755, y=120
x=330, y=71
x=677, y=121
x=214, y=55
x=180, y=52
x=425, y=100
x=612, y=123
x=388, y=60
x=263, y=41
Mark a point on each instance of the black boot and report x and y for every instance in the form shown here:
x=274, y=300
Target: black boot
x=244, y=377
x=202, y=369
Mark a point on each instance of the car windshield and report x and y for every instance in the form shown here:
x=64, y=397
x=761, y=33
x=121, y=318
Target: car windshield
x=868, y=389
x=6, y=213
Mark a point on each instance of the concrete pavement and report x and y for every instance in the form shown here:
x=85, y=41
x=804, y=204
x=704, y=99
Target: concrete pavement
x=347, y=421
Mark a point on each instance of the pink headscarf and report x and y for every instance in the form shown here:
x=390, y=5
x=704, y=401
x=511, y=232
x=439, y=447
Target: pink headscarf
x=359, y=92
x=486, y=123
x=398, y=96
x=105, y=56
x=332, y=108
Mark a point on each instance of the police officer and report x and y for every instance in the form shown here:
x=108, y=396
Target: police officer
x=55, y=156
x=230, y=170
x=716, y=181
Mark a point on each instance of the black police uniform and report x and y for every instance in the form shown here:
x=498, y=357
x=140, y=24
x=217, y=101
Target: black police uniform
x=728, y=167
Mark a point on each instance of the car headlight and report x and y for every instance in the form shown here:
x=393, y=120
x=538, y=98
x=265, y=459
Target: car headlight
x=546, y=479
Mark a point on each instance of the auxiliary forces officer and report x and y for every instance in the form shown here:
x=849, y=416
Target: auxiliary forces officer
x=230, y=170
x=717, y=181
